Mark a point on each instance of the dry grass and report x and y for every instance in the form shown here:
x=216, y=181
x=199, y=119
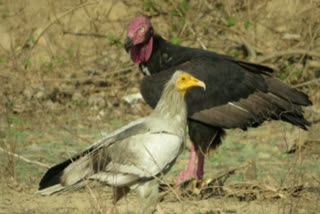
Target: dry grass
x=64, y=71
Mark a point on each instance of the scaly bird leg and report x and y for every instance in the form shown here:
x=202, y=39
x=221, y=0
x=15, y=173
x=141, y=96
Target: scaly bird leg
x=200, y=171
x=159, y=209
x=149, y=197
x=118, y=193
x=190, y=170
x=110, y=211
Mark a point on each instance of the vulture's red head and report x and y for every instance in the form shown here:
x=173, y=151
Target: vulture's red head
x=139, y=39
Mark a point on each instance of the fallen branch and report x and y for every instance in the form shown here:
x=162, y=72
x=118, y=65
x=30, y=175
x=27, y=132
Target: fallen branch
x=83, y=79
x=86, y=34
x=25, y=159
x=311, y=82
x=198, y=39
x=285, y=53
x=202, y=188
x=190, y=28
x=255, y=190
x=42, y=30
x=225, y=174
x=250, y=49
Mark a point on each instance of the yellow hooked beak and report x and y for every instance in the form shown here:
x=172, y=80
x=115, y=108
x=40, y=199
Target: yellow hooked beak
x=187, y=81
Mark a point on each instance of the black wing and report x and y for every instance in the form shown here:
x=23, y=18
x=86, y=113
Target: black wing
x=165, y=55
x=235, y=97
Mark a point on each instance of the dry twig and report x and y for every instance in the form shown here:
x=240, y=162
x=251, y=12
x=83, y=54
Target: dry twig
x=96, y=35
x=42, y=30
x=311, y=82
x=250, y=49
x=287, y=53
x=90, y=78
x=25, y=159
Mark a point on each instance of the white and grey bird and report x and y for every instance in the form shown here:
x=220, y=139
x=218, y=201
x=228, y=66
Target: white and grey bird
x=134, y=155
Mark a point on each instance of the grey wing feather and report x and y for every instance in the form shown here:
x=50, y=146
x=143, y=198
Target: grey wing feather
x=99, y=157
x=72, y=172
x=142, y=156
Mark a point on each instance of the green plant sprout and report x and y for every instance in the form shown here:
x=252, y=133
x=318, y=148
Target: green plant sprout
x=246, y=25
x=115, y=41
x=27, y=63
x=231, y=21
x=175, y=41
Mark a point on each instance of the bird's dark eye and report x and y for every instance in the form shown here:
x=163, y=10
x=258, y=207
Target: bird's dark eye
x=183, y=78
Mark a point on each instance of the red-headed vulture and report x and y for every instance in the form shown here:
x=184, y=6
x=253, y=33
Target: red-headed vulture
x=133, y=156
x=239, y=94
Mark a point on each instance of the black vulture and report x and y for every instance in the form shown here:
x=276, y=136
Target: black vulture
x=239, y=94
x=133, y=156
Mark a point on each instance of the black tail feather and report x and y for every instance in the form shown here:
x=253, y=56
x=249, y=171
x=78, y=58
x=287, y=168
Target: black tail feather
x=296, y=120
x=52, y=176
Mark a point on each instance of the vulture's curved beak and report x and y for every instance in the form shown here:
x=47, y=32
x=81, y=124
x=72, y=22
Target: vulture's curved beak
x=128, y=44
x=202, y=85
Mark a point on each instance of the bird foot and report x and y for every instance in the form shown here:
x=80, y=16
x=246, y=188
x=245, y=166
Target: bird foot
x=185, y=176
x=159, y=209
x=188, y=174
x=110, y=211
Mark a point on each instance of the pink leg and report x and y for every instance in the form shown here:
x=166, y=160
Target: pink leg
x=190, y=170
x=110, y=211
x=118, y=193
x=200, y=172
x=159, y=209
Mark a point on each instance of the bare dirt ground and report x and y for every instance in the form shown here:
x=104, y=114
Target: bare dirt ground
x=64, y=73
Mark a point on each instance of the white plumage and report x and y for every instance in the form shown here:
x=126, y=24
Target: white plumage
x=133, y=156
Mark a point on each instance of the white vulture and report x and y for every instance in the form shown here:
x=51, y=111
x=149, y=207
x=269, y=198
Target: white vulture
x=132, y=157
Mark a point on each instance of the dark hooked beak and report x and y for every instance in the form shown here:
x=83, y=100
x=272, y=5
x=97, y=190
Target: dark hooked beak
x=128, y=44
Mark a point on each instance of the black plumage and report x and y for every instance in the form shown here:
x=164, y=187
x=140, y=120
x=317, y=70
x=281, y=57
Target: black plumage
x=239, y=94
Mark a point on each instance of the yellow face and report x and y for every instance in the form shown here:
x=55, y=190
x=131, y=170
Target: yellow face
x=186, y=81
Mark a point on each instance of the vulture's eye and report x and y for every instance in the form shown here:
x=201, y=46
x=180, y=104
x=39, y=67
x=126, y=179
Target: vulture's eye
x=183, y=78
x=142, y=29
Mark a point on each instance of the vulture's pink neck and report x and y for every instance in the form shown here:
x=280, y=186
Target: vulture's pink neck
x=142, y=53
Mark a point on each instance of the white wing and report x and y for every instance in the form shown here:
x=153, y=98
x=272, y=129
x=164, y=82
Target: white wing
x=145, y=156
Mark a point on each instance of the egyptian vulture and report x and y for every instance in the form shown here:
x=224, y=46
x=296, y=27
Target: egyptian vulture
x=133, y=156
